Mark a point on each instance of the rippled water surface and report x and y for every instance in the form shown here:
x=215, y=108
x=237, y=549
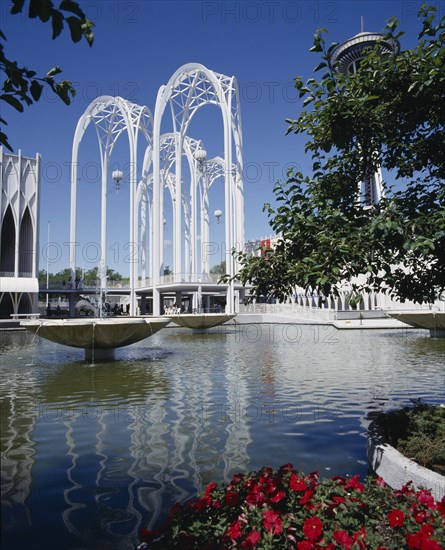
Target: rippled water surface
x=91, y=453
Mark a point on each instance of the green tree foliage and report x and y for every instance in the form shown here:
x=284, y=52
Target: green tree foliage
x=90, y=277
x=393, y=107
x=23, y=86
x=219, y=269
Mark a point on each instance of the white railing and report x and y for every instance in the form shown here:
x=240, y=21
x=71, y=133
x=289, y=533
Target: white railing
x=196, y=278
x=292, y=310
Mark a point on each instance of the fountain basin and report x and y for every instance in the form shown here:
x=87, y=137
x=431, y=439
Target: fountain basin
x=396, y=469
x=432, y=320
x=201, y=321
x=97, y=334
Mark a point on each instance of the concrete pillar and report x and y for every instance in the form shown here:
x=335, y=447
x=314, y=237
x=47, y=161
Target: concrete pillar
x=72, y=303
x=143, y=304
x=178, y=298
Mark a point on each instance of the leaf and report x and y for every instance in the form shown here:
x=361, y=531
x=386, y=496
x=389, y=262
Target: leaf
x=43, y=9
x=308, y=100
x=57, y=24
x=13, y=101
x=87, y=29
x=320, y=66
x=75, y=28
x=4, y=141
x=73, y=7
x=63, y=90
x=33, y=11
x=17, y=6
x=36, y=90
x=53, y=72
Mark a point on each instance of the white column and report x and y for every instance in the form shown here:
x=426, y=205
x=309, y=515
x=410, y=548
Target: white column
x=158, y=191
x=150, y=240
x=177, y=237
x=73, y=212
x=228, y=208
x=144, y=235
x=103, y=224
x=133, y=226
x=205, y=228
x=193, y=236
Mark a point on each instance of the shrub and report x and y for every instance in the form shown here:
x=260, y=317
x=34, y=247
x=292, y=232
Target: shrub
x=418, y=433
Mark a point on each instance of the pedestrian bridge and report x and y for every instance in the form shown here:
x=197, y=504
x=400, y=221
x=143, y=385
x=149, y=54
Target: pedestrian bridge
x=194, y=292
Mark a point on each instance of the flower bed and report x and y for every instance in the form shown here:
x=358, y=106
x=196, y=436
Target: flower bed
x=289, y=509
x=418, y=433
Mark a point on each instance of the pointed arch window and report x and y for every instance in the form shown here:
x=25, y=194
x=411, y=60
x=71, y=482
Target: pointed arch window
x=8, y=244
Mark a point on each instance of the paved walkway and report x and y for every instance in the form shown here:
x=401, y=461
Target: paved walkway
x=348, y=324
x=276, y=318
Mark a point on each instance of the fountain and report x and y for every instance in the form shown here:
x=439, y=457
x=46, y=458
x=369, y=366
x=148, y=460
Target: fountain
x=201, y=322
x=434, y=321
x=98, y=336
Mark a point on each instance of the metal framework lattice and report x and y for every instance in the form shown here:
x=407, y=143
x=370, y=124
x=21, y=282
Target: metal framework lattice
x=191, y=87
x=111, y=117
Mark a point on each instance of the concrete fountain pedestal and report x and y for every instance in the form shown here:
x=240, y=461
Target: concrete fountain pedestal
x=434, y=321
x=99, y=337
x=200, y=322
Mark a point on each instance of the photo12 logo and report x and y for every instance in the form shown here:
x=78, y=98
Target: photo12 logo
x=271, y=12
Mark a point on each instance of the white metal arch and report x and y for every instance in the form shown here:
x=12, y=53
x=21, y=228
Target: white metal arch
x=191, y=87
x=145, y=199
x=111, y=117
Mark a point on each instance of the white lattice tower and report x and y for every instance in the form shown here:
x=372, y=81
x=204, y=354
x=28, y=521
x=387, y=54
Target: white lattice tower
x=111, y=117
x=191, y=87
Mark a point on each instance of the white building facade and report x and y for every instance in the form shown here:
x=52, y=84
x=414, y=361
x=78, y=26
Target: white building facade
x=19, y=216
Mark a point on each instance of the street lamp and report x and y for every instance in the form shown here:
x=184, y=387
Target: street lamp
x=117, y=175
x=201, y=157
x=218, y=214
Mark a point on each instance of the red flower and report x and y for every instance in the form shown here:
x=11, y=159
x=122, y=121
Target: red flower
x=380, y=482
x=231, y=499
x=425, y=498
x=306, y=497
x=313, y=528
x=441, y=506
x=343, y=539
x=203, y=502
x=421, y=516
x=296, y=483
x=422, y=541
x=272, y=522
x=236, y=479
x=252, y=540
x=359, y=537
x=255, y=498
x=210, y=487
x=305, y=545
x=279, y=495
x=355, y=484
x=234, y=530
x=395, y=518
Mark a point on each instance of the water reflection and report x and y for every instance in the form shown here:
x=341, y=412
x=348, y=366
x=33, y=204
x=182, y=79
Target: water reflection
x=92, y=453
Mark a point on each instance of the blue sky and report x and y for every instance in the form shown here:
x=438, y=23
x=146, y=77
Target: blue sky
x=137, y=47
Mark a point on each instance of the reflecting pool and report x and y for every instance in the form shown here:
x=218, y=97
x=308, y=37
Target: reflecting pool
x=91, y=453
